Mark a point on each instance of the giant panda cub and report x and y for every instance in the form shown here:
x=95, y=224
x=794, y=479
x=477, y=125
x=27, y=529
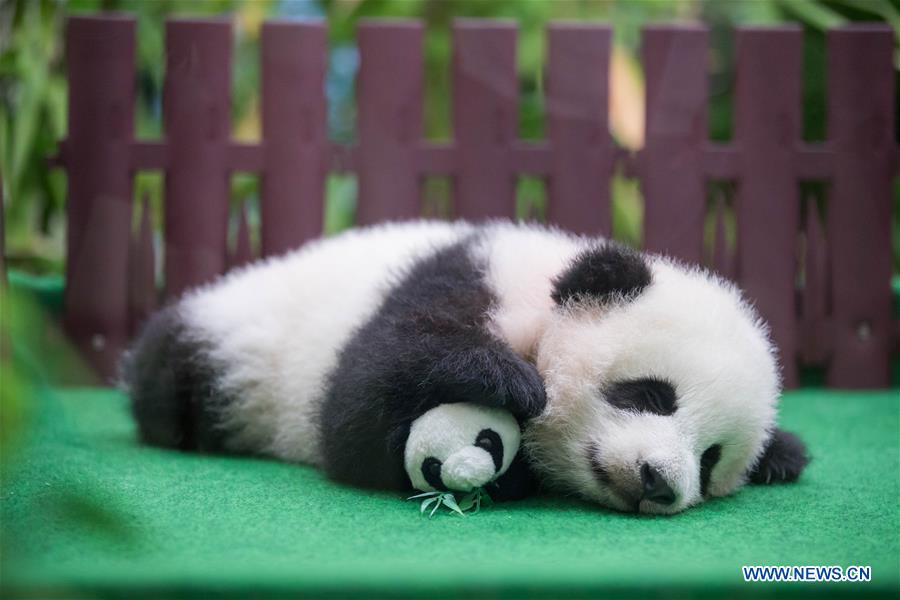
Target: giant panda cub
x=421, y=354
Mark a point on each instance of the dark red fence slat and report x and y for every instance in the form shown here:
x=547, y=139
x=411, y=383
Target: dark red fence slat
x=389, y=108
x=485, y=117
x=197, y=117
x=860, y=128
x=100, y=57
x=767, y=127
x=294, y=125
x=675, y=68
x=577, y=115
x=142, y=294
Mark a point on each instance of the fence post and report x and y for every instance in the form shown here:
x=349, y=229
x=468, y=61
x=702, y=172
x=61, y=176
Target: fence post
x=767, y=130
x=485, y=117
x=100, y=56
x=675, y=68
x=389, y=105
x=577, y=115
x=197, y=117
x=860, y=128
x=294, y=125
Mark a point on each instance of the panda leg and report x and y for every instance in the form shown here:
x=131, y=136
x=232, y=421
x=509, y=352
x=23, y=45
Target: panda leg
x=495, y=377
x=488, y=374
x=381, y=391
x=171, y=382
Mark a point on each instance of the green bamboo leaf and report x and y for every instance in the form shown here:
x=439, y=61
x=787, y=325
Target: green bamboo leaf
x=450, y=502
x=427, y=503
x=424, y=495
x=437, y=505
x=468, y=501
x=813, y=13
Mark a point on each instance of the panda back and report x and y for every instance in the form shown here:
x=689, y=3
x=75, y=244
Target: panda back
x=260, y=342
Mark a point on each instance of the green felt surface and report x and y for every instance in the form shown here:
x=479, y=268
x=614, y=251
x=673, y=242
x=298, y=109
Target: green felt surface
x=87, y=510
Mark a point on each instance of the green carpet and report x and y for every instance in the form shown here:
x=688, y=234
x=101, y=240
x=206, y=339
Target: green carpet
x=86, y=511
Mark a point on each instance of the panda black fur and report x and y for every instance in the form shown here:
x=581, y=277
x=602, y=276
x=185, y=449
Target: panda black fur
x=330, y=354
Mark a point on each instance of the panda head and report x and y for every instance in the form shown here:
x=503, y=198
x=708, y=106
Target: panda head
x=460, y=447
x=662, y=386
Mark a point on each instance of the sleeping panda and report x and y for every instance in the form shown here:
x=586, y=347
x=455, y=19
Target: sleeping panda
x=422, y=354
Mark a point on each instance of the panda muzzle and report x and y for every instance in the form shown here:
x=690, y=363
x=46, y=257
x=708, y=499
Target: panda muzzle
x=468, y=468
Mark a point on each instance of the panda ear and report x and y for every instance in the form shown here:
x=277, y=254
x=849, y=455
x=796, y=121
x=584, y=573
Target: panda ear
x=601, y=272
x=782, y=461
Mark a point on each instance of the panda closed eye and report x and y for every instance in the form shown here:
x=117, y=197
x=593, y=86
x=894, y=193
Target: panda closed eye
x=431, y=471
x=644, y=395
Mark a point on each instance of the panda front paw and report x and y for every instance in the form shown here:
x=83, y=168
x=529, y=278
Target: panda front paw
x=523, y=388
x=460, y=447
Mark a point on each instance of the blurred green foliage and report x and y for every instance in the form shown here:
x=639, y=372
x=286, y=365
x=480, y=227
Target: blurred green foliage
x=34, y=352
x=33, y=89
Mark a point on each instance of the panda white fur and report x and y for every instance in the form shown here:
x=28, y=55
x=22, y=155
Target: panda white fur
x=639, y=383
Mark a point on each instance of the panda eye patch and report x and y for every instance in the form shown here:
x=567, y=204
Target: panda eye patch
x=490, y=441
x=431, y=471
x=647, y=395
x=708, y=460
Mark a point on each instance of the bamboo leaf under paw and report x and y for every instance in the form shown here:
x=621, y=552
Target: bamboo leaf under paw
x=467, y=501
x=428, y=502
x=424, y=495
x=450, y=502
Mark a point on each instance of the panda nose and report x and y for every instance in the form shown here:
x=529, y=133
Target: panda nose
x=656, y=489
x=467, y=469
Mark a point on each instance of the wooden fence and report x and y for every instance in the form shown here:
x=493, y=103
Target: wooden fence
x=822, y=281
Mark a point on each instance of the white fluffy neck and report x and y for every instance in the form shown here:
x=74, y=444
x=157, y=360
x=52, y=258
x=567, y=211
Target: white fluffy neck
x=522, y=264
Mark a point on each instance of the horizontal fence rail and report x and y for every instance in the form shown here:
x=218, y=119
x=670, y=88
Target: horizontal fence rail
x=821, y=278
